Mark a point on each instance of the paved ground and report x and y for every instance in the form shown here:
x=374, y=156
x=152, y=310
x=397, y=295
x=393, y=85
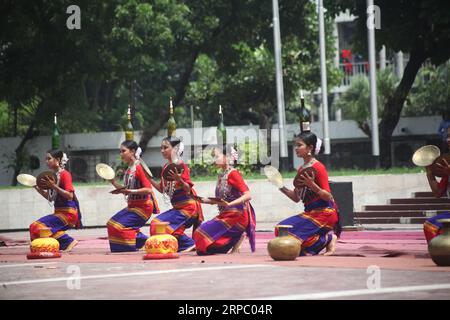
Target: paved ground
x=381, y=264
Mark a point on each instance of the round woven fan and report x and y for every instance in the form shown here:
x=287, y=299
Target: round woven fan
x=26, y=180
x=274, y=176
x=105, y=171
x=425, y=155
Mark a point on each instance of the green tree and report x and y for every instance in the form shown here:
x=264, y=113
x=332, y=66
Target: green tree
x=430, y=94
x=355, y=101
x=420, y=28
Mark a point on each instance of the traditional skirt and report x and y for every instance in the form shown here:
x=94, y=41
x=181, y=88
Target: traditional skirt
x=432, y=227
x=313, y=228
x=124, y=227
x=62, y=219
x=220, y=234
x=185, y=213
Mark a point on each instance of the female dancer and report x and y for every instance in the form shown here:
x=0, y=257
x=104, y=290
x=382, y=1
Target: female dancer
x=67, y=211
x=123, y=228
x=432, y=227
x=178, y=189
x=313, y=228
x=236, y=214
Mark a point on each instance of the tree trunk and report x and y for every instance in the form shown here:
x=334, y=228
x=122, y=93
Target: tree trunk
x=394, y=105
x=150, y=131
x=28, y=136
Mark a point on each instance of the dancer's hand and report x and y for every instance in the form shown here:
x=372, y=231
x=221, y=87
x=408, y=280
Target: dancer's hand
x=120, y=191
x=224, y=203
x=48, y=182
x=443, y=169
x=175, y=175
x=307, y=180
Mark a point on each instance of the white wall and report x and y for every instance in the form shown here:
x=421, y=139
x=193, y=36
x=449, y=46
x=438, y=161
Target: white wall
x=109, y=141
x=21, y=206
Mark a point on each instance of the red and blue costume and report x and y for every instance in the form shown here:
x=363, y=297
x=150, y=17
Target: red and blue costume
x=432, y=227
x=185, y=211
x=220, y=234
x=124, y=227
x=67, y=213
x=314, y=227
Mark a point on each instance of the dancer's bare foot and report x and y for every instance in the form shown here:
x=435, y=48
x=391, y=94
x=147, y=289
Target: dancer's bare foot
x=331, y=247
x=189, y=249
x=71, y=246
x=237, y=247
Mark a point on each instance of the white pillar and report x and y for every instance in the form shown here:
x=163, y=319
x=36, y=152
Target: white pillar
x=279, y=81
x=373, y=83
x=323, y=76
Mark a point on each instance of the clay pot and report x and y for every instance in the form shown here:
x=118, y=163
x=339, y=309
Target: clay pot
x=161, y=245
x=44, y=246
x=439, y=246
x=284, y=246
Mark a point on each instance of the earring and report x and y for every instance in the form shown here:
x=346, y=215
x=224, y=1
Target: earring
x=309, y=153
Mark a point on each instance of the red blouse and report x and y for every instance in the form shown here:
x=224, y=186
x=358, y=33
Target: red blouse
x=65, y=181
x=235, y=179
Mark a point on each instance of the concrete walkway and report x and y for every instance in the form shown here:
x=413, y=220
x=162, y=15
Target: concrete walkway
x=386, y=264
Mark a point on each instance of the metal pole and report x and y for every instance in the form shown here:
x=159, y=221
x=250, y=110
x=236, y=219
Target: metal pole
x=323, y=76
x=373, y=85
x=279, y=80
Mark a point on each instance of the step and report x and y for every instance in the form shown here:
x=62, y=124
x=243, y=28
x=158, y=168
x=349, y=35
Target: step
x=398, y=213
x=420, y=200
x=384, y=220
x=423, y=194
x=412, y=207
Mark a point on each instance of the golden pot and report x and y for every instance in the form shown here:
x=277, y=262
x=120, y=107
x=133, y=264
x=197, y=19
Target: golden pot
x=161, y=242
x=439, y=246
x=284, y=246
x=44, y=247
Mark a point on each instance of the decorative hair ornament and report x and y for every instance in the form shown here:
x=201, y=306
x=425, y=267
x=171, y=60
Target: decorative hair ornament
x=180, y=149
x=64, y=160
x=234, y=154
x=138, y=153
x=318, y=145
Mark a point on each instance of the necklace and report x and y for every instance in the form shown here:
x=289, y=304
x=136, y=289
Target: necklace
x=309, y=164
x=224, y=188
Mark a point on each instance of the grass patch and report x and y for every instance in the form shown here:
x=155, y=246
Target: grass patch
x=257, y=175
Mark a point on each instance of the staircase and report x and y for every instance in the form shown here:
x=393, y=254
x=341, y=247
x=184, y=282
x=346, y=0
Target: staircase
x=415, y=210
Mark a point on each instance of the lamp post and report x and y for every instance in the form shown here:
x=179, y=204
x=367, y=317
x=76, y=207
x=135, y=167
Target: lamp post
x=280, y=90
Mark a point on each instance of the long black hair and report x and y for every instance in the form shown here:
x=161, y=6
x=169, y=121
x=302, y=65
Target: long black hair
x=130, y=145
x=56, y=153
x=59, y=155
x=226, y=150
x=310, y=139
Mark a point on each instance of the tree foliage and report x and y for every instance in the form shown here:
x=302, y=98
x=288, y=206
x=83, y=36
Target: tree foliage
x=420, y=28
